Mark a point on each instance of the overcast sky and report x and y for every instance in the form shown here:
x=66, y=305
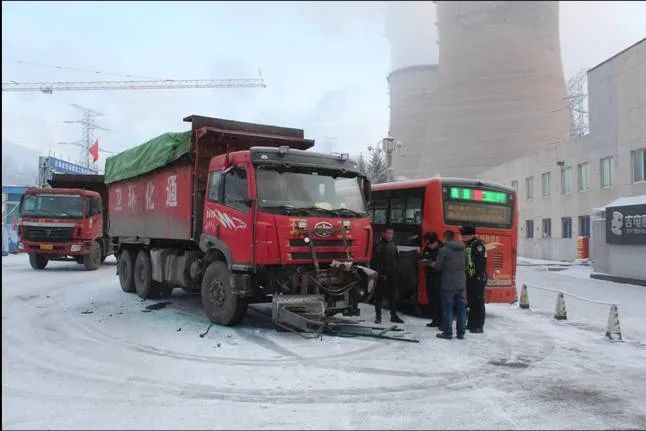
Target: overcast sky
x=325, y=64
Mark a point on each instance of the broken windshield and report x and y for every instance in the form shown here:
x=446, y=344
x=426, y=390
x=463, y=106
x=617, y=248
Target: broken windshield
x=309, y=193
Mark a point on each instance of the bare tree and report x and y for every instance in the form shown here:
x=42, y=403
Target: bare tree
x=377, y=170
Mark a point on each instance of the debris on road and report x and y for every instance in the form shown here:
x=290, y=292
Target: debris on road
x=158, y=305
x=87, y=312
x=206, y=332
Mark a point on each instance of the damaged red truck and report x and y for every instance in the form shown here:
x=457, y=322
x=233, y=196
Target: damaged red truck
x=243, y=214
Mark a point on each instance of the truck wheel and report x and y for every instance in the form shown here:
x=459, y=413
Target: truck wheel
x=92, y=260
x=125, y=266
x=37, y=261
x=143, y=274
x=221, y=305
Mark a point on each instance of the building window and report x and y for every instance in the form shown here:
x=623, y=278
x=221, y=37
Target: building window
x=547, y=228
x=514, y=185
x=639, y=165
x=566, y=227
x=529, y=188
x=584, y=176
x=529, y=228
x=606, y=172
x=566, y=180
x=584, y=225
x=546, y=184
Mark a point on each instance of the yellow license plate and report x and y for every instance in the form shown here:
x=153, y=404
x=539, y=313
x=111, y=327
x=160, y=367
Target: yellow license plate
x=46, y=247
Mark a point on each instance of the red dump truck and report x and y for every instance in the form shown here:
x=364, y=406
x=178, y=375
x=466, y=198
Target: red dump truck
x=67, y=222
x=241, y=213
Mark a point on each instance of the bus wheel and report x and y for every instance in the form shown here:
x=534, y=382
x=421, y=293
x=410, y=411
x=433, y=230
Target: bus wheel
x=125, y=266
x=222, y=306
x=143, y=275
x=92, y=260
x=37, y=261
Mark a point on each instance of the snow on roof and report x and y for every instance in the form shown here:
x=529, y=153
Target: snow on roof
x=625, y=201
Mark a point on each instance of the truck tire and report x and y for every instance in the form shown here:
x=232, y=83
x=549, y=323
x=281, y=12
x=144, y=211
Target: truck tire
x=143, y=274
x=125, y=266
x=220, y=304
x=37, y=261
x=92, y=260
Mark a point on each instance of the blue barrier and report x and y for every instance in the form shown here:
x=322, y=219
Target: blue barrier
x=5, y=240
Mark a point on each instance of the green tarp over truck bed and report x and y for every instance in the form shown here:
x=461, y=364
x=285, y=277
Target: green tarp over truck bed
x=148, y=156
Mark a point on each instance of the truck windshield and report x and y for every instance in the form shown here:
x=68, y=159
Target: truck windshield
x=63, y=206
x=309, y=193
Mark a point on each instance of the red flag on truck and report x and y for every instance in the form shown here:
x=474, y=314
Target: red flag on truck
x=94, y=150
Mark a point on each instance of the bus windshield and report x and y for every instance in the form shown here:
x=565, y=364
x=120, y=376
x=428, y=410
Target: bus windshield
x=477, y=206
x=309, y=192
x=59, y=206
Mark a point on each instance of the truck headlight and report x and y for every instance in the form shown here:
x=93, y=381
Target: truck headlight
x=76, y=247
x=301, y=224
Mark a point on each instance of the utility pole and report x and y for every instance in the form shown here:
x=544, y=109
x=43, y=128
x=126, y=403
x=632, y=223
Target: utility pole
x=389, y=145
x=89, y=126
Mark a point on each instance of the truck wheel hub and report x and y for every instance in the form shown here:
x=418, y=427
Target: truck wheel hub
x=216, y=292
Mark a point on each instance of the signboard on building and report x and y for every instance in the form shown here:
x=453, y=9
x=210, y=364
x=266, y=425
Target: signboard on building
x=49, y=165
x=626, y=224
x=63, y=167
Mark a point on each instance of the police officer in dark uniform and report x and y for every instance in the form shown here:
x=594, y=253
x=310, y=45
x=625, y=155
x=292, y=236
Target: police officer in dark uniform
x=386, y=263
x=476, y=278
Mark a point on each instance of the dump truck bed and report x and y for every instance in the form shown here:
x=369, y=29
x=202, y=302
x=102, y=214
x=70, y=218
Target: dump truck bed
x=157, y=189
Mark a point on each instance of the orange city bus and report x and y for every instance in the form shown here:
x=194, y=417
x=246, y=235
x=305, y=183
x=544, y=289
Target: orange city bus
x=439, y=204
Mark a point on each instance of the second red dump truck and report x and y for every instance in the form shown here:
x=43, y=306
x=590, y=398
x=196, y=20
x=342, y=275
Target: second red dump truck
x=243, y=214
x=65, y=222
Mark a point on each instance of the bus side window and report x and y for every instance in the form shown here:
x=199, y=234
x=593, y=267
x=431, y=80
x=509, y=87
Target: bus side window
x=397, y=206
x=380, y=208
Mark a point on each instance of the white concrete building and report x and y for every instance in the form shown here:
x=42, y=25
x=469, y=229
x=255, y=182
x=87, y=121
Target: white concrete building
x=560, y=186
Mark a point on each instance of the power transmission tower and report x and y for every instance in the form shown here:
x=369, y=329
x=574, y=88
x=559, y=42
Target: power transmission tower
x=167, y=84
x=578, y=104
x=89, y=126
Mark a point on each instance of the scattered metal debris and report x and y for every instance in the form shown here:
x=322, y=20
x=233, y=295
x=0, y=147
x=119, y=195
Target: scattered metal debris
x=206, y=332
x=158, y=305
x=87, y=312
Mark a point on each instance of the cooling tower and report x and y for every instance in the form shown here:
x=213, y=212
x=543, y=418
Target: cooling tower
x=412, y=92
x=500, y=89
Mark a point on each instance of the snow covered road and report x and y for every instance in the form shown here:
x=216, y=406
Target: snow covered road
x=80, y=353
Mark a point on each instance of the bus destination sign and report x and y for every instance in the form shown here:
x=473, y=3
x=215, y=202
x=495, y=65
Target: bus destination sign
x=477, y=195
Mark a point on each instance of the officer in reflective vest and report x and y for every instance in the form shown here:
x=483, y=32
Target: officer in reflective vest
x=476, y=278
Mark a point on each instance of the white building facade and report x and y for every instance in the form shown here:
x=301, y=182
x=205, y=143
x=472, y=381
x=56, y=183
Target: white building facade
x=560, y=186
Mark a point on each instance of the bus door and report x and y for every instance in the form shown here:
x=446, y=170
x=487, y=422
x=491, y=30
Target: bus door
x=406, y=217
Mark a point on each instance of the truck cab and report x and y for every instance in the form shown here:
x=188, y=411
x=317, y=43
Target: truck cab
x=63, y=224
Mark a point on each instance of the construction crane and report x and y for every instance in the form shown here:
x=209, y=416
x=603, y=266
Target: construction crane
x=166, y=84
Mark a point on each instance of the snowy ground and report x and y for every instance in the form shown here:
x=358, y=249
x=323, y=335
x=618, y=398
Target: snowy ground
x=77, y=352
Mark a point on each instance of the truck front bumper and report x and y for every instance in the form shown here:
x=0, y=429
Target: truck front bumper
x=74, y=248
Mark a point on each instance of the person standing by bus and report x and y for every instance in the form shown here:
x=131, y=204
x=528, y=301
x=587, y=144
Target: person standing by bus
x=451, y=262
x=476, y=278
x=386, y=263
x=429, y=256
